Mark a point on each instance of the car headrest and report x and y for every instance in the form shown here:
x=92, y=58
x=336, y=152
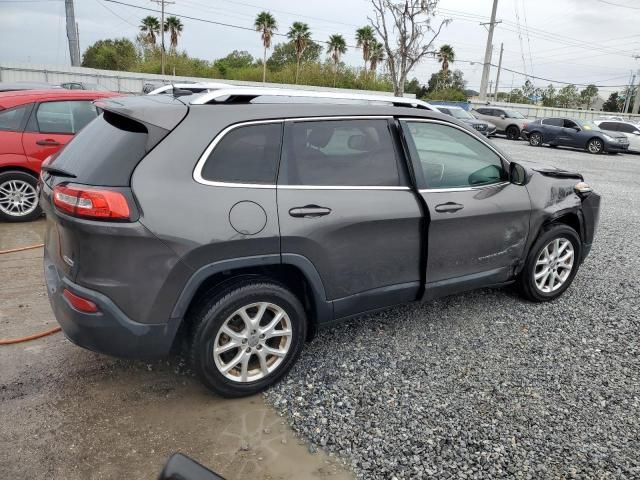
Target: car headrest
x=358, y=142
x=319, y=136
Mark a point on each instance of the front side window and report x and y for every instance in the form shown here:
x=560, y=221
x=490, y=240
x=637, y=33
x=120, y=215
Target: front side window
x=553, y=122
x=341, y=153
x=627, y=128
x=246, y=154
x=452, y=158
x=66, y=117
x=11, y=118
x=513, y=114
x=460, y=114
x=570, y=124
x=611, y=126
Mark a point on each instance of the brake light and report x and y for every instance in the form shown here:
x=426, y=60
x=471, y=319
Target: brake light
x=91, y=203
x=79, y=303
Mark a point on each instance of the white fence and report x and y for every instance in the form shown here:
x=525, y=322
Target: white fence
x=535, y=111
x=127, y=82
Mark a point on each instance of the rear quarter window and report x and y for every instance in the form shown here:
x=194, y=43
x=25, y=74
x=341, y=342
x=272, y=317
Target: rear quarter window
x=247, y=154
x=11, y=118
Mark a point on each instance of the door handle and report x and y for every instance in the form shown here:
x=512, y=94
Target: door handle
x=48, y=142
x=449, y=207
x=309, y=211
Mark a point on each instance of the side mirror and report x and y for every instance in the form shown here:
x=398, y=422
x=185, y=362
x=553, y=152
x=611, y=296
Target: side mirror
x=517, y=174
x=181, y=467
x=577, y=129
x=503, y=116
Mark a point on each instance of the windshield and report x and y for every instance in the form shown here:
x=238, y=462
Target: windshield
x=587, y=125
x=513, y=114
x=460, y=113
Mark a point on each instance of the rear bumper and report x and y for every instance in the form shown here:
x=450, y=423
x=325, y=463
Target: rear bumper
x=108, y=331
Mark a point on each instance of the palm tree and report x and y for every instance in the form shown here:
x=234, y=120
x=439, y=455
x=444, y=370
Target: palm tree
x=173, y=25
x=337, y=46
x=365, y=37
x=151, y=27
x=266, y=25
x=376, y=55
x=300, y=35
x=445, y=56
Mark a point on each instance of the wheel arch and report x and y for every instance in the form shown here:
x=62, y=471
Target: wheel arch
x=295, y=272
x=15, y=168
x=595, y=137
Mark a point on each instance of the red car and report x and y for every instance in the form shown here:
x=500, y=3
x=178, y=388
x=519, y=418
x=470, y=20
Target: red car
x=33, y=125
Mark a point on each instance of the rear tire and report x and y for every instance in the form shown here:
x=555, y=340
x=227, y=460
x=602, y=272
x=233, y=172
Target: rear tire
x=551, y=265
x=513, y=132
x=18, y=197
x=535, y=139
x=236, y=348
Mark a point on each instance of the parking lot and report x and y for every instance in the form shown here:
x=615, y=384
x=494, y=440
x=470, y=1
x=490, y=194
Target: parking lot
x=482, y=385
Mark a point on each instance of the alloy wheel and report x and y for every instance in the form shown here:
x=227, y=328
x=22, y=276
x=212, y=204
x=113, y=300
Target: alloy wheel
x=595, y=146
x=554, y=265
x=18, y=198
x=252, y=342
x=535, y=139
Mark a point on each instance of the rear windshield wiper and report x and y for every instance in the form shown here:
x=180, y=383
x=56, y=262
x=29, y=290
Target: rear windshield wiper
x=57, y=172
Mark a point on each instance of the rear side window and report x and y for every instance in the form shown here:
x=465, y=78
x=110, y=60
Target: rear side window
x=11, y=119
x=67, y=117
x=107, y=151
x=246, y=154
x=553, y=122
x=341, y=153
x=626, y=128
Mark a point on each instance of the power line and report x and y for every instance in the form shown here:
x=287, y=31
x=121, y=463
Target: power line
x=619, y=5
x=114, y=13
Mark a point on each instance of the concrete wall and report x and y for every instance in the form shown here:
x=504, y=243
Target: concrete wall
x=128, y=82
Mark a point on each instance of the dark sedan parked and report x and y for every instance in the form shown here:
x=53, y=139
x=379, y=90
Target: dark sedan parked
x=567, y=132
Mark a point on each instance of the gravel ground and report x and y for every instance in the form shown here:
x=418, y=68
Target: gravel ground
x=486, y=385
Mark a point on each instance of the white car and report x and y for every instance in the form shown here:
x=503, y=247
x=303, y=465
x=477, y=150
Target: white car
x=629, y=129
x=203, y=87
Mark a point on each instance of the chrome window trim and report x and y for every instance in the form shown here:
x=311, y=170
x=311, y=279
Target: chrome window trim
x=197, y=172
x=463, y=189
x=481, y=140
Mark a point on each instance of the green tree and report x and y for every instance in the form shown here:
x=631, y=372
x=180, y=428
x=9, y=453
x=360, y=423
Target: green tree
x=567, y=96
x=174, y=26
x=265, y=24
x=452, y=79
x=412, y=86
x=365, y=38
x=517, y=96
x=376, y=56
x=445, y=56
x=587, y=95
x=285, y=54
x=116, y=54
x=300, y=35
x=450, y=94
x=150, y=27
x=337, y=46
x=549, y=96
x=236, y=59
x=614, y=103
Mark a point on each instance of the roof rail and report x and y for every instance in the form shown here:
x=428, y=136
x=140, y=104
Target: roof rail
x=230, y=95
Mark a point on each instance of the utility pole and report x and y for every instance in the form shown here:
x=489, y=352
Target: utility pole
x=72, y=33
x=162, y=3
x=495, y=94
x=487, y=52
x=490, y=88
x=627, y=100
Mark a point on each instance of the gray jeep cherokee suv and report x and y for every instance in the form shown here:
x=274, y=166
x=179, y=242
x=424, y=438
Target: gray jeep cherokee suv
x=235, y=224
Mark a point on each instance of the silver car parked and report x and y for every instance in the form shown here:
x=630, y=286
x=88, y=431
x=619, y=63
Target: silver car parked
x=628, y=129
x=508, y=122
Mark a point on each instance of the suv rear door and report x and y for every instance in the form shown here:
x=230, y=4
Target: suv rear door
x=345, y=205
x=479, y=221
x=52, y=124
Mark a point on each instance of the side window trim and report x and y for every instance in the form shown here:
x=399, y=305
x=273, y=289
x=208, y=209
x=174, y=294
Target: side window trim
x=25, y=116
x=421, y=185
x=197, y=171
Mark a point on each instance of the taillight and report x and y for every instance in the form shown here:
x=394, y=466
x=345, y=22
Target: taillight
x=79, y=303
x=91, y=203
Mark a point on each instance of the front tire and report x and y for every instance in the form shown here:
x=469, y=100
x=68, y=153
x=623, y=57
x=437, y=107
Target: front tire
x=18, y=197
x=247, y=338
x=595, y=146
x=513, y=132
x=551, y=265
x=535, y=139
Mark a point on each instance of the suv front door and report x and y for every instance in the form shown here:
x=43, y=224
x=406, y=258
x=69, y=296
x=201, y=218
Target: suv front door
x=479, y=221
x=345, y=206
